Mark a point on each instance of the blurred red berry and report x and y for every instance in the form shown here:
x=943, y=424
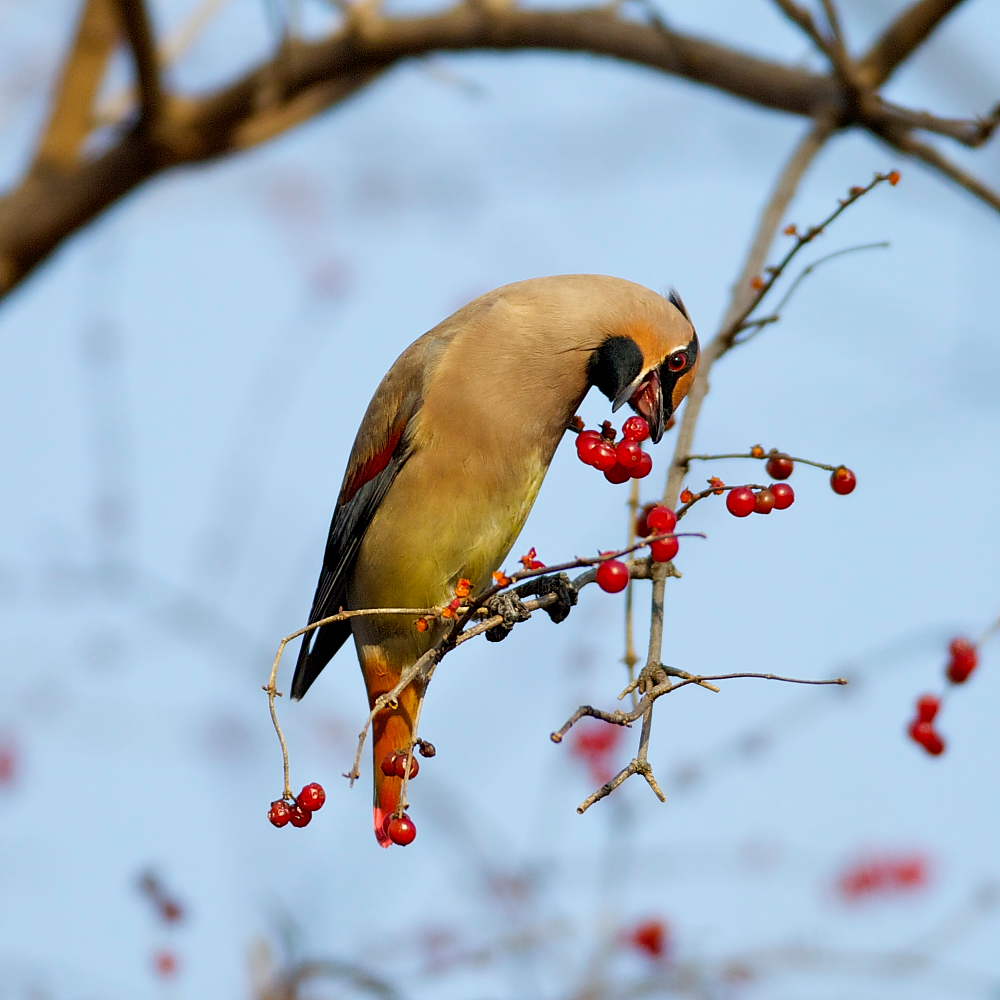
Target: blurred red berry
x=741, y=502
x=963, y=660
x=642, y=521
x=604, y=457
x=617, y=474
x=650, y=936
x=843, y=480
x=612, y=576
x=928, y=706
x=664, y=550
x=927, y=736
x=661, y=520
x=280, y=813
x=644, y=466
x=629, y=453
x=171, y=911
x=784, y=496
x=780, y=466
x=399, y=766
x=165, y=963
x=300, y=817
x=764, y=501
x=635, y=429
x=312, y=796
x=388, y=765
x=686, y=496
x=400, y=830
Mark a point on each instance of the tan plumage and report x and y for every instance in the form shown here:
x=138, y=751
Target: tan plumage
x=453, y=449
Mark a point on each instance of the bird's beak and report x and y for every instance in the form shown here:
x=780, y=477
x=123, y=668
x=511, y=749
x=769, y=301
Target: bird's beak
x=645, y=396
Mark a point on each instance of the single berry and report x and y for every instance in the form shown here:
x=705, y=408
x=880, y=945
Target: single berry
x=927, y=736
x=928, y=706
x=651, y=937
x=388, y=765
x=586, y=446
x=399, y=766
x=757, y=451
x=635, y=429
x=741, y=501
x=784, y=495
x=780, y=466
x=661, y=520
x=842, y=480
x=604, y=457
x=400, y=830
x=617, y=474
x=612, y=576
x=312, y=796
x=664, y=550
x=645, y=466
x=718, y=486
x=964, y=659
x=280, y=813
x=629, y=454
x=300, y=816
x=165, y=963
x=686, y=496
x=642, y=528
x=171, y=911
x=426, y=748
x=764, y=501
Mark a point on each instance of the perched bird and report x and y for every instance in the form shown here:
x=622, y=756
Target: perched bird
x=450, y=456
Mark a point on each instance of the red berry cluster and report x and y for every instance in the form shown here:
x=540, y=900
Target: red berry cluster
x=963, y=657
x=619, y=461
x=400, y=829
x=299, y=811
x=655, y=519
x=742, y=501
x=882, y=875
x=649, y=936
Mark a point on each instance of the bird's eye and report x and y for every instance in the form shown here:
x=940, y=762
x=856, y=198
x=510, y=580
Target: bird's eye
x=677, y=361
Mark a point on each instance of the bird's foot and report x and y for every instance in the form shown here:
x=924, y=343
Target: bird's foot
x=566, y=595
x=509, y=606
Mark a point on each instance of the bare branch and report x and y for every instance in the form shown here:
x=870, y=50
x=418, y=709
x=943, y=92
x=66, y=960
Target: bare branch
x=970, y=132
x=139, y=32
x=905, y=142
x=83, y=70
x=913, y=27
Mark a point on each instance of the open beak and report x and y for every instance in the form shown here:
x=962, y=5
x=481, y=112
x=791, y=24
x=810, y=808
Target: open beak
x=645, y=396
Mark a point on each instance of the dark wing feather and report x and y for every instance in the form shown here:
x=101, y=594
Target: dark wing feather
x=380, y=450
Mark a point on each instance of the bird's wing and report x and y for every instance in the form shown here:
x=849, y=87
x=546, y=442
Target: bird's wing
x=383, y=445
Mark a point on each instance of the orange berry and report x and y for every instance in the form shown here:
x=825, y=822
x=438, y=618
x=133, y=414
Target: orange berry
x=422, y=625
x=686, y=495
x=791, y=230
x=757, y=283
x=894, y=176
x=717, y=485
x=757, y=451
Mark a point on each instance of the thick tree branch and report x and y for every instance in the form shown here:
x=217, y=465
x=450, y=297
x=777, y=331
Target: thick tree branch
x=139, y=32
x=71, y=118
x=913, y=27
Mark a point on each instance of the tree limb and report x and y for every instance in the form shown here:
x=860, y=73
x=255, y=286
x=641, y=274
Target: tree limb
x=139, y=32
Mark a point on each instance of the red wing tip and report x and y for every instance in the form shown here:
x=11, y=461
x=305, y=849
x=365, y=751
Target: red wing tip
x=380, y=835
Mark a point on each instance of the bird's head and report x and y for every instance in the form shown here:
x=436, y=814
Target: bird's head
x=649, y=363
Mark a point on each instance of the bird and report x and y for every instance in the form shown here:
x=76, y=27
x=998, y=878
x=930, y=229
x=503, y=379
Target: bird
x=450, y=456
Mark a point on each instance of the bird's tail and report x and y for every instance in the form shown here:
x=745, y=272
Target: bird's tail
x=393, y=731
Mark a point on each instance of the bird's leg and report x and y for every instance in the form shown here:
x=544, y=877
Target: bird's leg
x=566, y=595
x=510, y=607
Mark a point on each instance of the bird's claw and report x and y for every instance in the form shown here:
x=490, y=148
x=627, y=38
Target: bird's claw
x=509, y=606
x=565, y=593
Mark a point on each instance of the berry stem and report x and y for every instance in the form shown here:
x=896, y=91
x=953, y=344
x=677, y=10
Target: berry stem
x=760, y=458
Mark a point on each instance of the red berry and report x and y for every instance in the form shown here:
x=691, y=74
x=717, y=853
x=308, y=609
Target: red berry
x=642, y=522
x=617, y=474
x=741, y=501
x=784, y=495
x=300, y=816
x=400, y=830
x=661, y=520
x=650, y=937
x=388, y=765
x=963, y=660
x=645, y=466
x=635, y=429
x=927, y=736
x=764, y=501
x=312, y=796
x=612, y=576
x=842, y=480
x=780, y=466
x=279, y=813
x=165, y=963
x=629, y=453
x=928, y=706
x=399, y=766
x=604, y=457
x=664, y=550
x=586, y=445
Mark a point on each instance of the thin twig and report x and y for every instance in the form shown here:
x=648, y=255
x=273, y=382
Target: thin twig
x=139, y=32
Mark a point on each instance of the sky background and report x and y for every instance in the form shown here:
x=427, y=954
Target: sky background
x=182, y=383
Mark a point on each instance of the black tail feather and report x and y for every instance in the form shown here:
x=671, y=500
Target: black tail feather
x=311, y=662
